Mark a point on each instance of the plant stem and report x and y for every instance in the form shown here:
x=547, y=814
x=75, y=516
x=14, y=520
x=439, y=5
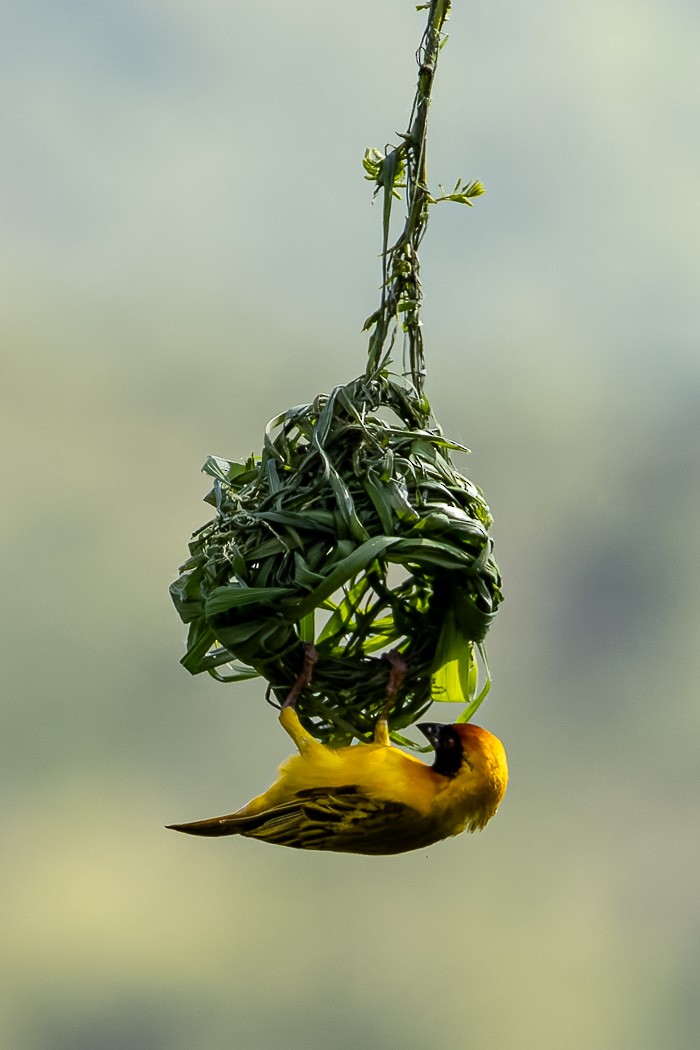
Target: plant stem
x=401, y=290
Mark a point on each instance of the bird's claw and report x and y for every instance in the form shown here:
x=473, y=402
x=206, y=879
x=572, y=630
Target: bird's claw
x=397, y=673
x=304, y=679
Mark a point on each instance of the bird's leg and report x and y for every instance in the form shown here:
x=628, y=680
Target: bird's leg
x=289, y=718
x=397, y=674
x=304, y=678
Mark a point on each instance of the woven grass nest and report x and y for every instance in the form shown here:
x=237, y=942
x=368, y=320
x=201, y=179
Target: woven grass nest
x=352, y=530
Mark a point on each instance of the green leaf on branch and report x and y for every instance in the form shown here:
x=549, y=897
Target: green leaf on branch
x=463, y=193
x=387, y=170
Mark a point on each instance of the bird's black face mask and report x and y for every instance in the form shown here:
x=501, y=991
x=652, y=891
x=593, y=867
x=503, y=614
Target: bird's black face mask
x=448, y=747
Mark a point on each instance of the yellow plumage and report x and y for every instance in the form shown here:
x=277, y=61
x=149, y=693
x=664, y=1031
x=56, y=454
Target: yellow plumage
x=373, y=798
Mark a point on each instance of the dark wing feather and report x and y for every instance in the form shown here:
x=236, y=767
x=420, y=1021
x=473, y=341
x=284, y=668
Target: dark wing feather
x=341, y=819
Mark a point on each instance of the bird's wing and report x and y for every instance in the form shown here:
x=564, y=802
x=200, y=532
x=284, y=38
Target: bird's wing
x=344, y=819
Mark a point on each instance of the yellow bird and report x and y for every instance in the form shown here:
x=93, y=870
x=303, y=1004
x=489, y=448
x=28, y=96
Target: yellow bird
x=372, y=798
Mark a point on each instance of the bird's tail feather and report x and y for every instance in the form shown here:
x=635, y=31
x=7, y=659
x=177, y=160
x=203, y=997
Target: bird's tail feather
x=232, y=824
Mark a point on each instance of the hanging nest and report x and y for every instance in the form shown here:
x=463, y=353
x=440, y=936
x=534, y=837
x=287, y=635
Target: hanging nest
x=352, y=530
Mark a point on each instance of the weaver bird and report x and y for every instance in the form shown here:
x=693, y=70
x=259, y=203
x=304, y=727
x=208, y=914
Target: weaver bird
x=371, y=798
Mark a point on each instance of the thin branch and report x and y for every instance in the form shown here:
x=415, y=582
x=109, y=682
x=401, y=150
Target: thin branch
x=402, y=166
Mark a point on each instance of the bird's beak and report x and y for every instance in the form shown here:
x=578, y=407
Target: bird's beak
x=430, y=730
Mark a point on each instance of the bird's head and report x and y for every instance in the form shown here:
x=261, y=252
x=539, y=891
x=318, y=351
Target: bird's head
x=474, y=763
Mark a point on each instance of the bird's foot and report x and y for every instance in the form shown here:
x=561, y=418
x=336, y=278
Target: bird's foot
x=397, y=673
x=304, y=679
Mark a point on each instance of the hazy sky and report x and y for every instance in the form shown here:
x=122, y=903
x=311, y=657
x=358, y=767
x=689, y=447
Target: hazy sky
x=188, y=246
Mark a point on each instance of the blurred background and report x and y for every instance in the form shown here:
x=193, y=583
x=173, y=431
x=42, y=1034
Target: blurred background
x=188, y=247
